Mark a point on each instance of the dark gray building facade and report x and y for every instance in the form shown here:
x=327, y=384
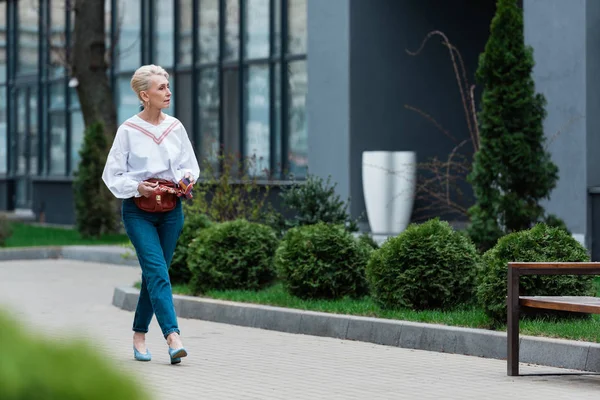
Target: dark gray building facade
x=361, y=80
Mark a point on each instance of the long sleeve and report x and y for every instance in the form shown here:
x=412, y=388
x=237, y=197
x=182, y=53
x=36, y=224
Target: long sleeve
x=189, y=162
x=121, y=186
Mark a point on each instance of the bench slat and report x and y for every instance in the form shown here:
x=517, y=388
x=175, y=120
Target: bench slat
x=582, y=304
x=518, y=264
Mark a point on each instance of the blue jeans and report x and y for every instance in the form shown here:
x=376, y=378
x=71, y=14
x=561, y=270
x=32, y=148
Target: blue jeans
x=154, y=236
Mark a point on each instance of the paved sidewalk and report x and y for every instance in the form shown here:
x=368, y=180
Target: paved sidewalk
x=227, y=362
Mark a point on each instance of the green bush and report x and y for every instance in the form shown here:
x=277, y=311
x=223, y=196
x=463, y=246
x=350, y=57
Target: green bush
x=33, y=368
x=314, y=201
x=322, y=261
x=229, y=189
x=232, y=255
x=428, y=266
x=194, y=222
x=539, y=244
x=95, y=206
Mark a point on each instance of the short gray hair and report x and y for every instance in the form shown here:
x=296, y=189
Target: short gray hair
x=141, y=78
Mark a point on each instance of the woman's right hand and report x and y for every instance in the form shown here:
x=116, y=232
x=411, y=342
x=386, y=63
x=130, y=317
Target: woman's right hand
x=147, y=188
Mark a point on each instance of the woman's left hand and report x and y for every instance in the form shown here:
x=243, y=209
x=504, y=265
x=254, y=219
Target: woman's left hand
x=189, y=177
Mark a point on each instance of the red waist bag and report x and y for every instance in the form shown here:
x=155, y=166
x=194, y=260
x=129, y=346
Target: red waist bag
x=163, y=199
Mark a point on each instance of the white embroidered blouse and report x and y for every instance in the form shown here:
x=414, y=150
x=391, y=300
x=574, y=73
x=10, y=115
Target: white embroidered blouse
x=142, y=150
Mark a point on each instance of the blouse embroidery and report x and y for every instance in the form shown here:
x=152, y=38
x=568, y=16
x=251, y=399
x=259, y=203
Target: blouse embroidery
x=148, y=133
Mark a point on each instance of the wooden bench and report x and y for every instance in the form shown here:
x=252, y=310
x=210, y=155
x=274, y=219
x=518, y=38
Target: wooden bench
x=581, y=304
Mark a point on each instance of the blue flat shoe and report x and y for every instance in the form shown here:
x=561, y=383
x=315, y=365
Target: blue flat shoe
x=177, y=354
x=141, y=357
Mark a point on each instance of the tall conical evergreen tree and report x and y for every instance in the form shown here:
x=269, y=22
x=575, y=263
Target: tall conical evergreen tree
x=512, y=171
x=94, y=204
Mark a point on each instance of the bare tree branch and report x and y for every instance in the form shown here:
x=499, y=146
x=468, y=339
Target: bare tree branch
x=562, y=128
x=438, y=184
x=432, y=120
x=460, y=73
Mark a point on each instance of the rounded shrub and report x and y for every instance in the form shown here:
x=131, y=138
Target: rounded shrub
x=538, y=244
x=428, y=266
x=232, y=255
x=322, y=261
x=194, y=222
x=32, y=367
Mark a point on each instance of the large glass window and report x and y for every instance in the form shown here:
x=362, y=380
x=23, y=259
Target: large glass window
x=27, y=54
x=57, y=95
x=174, y=99
x=128, y=103
x=257, y=29
x=22, y=133
x=129, y=42
x=27, y=145
x=58, y=140
x=74, y=98
x=163, y=33
x=243, y=104
x=257, y=142
x=185, y=26
x=57, y=129
x=3, y=41
x=298, y=140
x=107, y=22
x=3, y=129
x=57, y=38
x=231, y=109
x=77, y=134
x=181, y=95
x=297, y=26
x=276, y=129
x=34, y=136
x=209, y=102
x=277, y=28
x=208, y=34
x=232, y=30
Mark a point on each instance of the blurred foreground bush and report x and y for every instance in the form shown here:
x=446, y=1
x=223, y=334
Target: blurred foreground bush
x=32, y=368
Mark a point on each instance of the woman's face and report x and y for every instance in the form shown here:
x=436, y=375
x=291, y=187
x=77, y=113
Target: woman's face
x=159, y=94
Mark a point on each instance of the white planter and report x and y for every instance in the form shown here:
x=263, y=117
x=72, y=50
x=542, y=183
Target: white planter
x=389, y=181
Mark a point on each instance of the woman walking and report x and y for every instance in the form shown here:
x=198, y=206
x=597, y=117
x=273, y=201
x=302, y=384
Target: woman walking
x=150, y=161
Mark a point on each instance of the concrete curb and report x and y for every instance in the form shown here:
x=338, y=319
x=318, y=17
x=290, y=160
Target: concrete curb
x=583, y=356
x=100, y=254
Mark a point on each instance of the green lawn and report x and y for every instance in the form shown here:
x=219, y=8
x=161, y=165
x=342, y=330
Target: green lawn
x=577, y=329
x=29, y=235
